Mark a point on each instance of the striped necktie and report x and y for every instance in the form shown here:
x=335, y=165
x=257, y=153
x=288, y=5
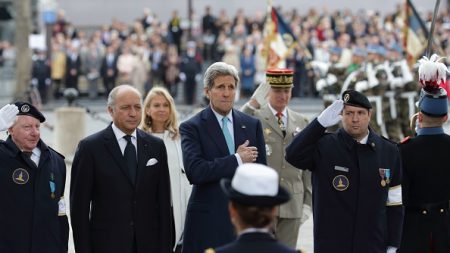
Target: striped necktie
x=281, y=123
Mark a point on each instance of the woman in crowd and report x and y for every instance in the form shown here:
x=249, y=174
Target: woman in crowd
x=160, y=119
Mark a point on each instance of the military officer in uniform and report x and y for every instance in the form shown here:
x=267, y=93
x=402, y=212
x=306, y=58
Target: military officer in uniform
x=426, y=191
x=254, y=192
x=280, y=124
x=356, y=175
x=32, y=181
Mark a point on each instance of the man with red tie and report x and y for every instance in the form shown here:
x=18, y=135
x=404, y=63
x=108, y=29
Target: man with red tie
x=270, y=105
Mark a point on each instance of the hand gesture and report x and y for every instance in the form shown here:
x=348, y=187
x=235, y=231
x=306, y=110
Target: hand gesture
x=247, y=153
x=7, y=116
x=332, y=114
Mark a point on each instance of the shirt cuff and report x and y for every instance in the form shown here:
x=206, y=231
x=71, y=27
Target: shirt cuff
x=238, y=158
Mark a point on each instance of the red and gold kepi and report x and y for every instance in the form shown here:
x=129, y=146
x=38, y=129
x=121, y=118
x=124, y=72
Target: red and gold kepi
x=280, y=78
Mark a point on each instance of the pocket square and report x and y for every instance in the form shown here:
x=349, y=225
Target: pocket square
x=151, y=162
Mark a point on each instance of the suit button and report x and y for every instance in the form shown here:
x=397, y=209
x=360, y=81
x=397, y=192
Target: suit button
x=442, y=210
x=424, y=212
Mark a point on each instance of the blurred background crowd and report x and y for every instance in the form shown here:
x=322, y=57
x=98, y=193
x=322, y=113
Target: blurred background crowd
x=149, y=52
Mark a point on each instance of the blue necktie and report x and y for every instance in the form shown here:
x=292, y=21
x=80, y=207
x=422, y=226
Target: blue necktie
x=227, y=135
x=130, y=158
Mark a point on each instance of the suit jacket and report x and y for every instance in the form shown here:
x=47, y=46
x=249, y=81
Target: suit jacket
x=207, y=160
x=254, y=242
x=297, y=182
x=120, y=211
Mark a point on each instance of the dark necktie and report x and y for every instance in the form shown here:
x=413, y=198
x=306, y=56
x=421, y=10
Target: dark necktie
x=281, y=123
x=27, y=155
x=130, y=158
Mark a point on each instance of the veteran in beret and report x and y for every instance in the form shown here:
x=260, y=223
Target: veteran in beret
x=356, y=175
x=270, y=104
x=253, y=193
x=32, y=182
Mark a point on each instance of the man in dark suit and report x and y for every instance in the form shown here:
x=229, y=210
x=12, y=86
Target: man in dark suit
x=214, y=143
x=108, y=69
x=120, y=198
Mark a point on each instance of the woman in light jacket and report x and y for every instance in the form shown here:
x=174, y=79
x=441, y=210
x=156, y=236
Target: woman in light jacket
x=160, y=119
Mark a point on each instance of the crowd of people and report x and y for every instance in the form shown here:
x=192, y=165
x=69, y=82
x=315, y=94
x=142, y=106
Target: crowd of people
x=152, y=52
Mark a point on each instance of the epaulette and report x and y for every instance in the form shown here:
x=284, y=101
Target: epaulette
x=210, y=250
x=63, y=157
x=405, y=140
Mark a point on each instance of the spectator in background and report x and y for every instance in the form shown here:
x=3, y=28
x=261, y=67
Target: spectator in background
x=175, y=30
x=73, y=67
x=190, y=67
x=41, y=74
x=108, y=69
x=58, y=68
x=248, y=71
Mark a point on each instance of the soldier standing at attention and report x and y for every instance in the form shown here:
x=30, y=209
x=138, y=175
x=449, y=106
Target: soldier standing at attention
x=280, y=124
x=426, y=192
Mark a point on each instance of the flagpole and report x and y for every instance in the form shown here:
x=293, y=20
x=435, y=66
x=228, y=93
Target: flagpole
x=430, y=35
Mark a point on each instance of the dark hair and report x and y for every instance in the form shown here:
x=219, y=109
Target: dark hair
x=255, y=216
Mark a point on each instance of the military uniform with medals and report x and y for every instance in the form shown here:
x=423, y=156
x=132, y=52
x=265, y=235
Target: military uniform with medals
x=297, y=182
x=32, y=210
x=357, y=191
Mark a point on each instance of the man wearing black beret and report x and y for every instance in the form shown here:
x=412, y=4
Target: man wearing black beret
x=32, y=182
x=357, y=195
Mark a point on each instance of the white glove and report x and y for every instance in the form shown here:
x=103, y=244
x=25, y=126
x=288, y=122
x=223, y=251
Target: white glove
x=260, y=93
x=391, y=249
x=331, y=115
x=7, y=116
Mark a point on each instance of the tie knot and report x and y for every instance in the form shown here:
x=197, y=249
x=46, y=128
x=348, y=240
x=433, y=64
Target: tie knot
x=279, y=114
x=27, y=153
x=127, y=138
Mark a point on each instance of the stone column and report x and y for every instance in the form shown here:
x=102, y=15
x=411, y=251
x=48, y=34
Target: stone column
x=69, y=129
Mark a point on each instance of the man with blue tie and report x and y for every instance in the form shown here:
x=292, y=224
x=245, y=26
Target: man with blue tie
x=214, y=142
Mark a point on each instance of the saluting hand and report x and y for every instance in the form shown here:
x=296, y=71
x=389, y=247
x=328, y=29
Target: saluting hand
x=247, y=153
x=7, y=116
x=332, y=114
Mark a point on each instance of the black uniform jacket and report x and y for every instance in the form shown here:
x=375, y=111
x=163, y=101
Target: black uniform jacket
x=426, y=193
x=255, y=242
x=354, y=211
x=30, y=217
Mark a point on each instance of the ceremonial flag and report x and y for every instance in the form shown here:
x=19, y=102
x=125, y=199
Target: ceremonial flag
x=278, y=39
x=415, y=33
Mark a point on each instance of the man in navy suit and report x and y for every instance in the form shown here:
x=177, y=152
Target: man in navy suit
x=120, y=188
x=214, y=142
